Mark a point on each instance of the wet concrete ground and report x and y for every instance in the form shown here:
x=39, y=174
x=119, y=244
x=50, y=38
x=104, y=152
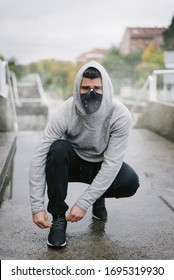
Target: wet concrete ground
x=141, y=227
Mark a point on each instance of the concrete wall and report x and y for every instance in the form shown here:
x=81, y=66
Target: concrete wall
x=6, y=116
x=159, y=118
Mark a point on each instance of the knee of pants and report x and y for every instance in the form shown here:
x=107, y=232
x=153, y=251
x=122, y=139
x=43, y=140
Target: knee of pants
x=60, y=151
x=124, y=186
x=131, y=183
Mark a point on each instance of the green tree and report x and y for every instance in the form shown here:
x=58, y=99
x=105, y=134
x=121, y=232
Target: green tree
x=57, y=76
x=151, y=59
x=115, y=65
x=1, y=57
x=132, y=60
x=122, y=68
x=168, y=37
x=13, y=65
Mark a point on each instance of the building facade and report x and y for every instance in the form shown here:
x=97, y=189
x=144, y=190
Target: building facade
x=95, y=54
x=136, y=38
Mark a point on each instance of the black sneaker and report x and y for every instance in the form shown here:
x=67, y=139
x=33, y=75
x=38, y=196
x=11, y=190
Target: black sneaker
x=57, y=235
x=99, y=210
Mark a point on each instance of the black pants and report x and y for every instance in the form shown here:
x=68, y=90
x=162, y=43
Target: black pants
x=63, y=165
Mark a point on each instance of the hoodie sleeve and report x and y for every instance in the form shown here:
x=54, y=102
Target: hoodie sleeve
x=113, y=159
x=55, y=129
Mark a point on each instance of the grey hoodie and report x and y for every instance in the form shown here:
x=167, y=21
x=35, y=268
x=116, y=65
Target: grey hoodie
x=100, y=136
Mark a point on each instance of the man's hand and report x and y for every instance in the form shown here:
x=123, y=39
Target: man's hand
x=75, y=214
x=41, y=220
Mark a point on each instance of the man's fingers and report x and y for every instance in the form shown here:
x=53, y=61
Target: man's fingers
x=73, y=218
x=40, y=225
x=75, y=214
x=69, y=218
x=48, y=223
x=41, y=220
x=44, y=224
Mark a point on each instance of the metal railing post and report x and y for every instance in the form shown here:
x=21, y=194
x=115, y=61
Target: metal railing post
x=153, y=88
x=11, y=94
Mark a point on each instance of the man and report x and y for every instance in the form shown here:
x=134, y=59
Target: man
x=84, y=142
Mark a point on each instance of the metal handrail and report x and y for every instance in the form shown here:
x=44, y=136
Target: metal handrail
x=8, y=89
x=15, y=88
x=155, y=73
x=40, y=86
x=3, y=79
x=150, y=87
x=11, y=94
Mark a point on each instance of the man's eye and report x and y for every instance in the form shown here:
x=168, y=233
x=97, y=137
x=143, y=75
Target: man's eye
x=98, y=88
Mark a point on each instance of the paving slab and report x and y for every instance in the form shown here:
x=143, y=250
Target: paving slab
x=140, y=227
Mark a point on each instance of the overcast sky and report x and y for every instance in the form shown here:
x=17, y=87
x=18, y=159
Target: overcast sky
x=31, y=30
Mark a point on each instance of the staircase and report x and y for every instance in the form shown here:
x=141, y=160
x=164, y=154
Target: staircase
x=32, y=109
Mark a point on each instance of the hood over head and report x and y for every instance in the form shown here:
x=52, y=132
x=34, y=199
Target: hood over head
x=105, y=108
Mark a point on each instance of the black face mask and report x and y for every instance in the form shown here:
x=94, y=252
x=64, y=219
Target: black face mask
x=91, y=101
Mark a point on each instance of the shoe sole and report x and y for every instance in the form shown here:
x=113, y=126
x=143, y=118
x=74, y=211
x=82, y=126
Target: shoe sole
x=51, y=245
x=99, y=218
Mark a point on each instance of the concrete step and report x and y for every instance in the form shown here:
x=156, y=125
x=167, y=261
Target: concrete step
x=28, y=91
